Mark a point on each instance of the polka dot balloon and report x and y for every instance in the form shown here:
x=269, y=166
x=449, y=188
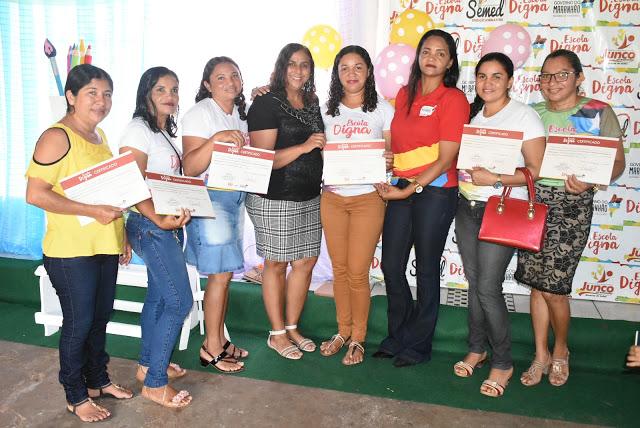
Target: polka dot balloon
x=324, y=42
x=391, y=68
x=409, y=26
x=510, y=39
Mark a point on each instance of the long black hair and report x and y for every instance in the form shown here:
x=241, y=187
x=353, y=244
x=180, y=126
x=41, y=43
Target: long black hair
x=279, y=76
x=203, y=92
x=572, y=59
x=505, y=62
x=451, y=75
x=336, y=91
x=145, y=109
x=80, y=76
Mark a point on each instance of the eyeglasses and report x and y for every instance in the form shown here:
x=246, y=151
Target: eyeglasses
x=561, y=76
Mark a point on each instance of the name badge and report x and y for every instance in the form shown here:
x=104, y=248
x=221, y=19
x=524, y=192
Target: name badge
x=427, y=110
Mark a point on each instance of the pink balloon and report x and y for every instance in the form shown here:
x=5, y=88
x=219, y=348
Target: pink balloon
x=391, y=68
x=511, y=40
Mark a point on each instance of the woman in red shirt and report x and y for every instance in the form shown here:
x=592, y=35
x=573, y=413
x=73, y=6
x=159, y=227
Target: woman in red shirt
x=425, y=138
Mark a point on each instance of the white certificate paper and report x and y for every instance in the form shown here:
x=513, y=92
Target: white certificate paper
x=245, y=169
x=354, y=162
x=116, y=181
x=589, y=158
x=172, y=192
x=497, y=150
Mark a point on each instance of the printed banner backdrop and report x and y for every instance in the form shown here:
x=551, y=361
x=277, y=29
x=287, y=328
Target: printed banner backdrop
x=606, y=36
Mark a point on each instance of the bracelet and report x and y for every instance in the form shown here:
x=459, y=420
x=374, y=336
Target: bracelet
x=595, y=188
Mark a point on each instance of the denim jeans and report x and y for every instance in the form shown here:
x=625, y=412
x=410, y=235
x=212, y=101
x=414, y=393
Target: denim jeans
x=422, y=220
x=86, y=288
x=484, y=266
x=169, y=298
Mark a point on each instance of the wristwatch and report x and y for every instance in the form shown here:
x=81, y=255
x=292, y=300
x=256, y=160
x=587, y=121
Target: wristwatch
x=498, y=184
x=417, y=188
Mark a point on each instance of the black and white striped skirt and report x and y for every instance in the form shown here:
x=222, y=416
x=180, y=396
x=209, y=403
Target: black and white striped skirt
x=285, y=230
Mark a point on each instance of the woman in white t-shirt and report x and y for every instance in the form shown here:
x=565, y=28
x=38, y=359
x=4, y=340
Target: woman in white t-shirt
x=352, y=215
x=158, y=238
x=485, y=263
x=214, y=245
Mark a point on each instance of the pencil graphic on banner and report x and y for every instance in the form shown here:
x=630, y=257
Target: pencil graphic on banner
x=82, y=51
x=75, y=57
x=50, y=52
x=69, y=58
x=88, y=57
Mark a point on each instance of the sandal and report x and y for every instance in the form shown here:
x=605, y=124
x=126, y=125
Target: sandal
x=224, y=357
x=290, y=352
x=463, y=369
x=353, y=347
x=305, y=344
x=494, y=388
x=559, y=373
x=329, y=350
x=72, y=408
x=103, y=393
x=174, y=371
x=180, y=400
x=238, y=353
x=534, y=373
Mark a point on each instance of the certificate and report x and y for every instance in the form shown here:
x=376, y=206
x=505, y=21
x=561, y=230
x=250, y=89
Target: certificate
x=589, y=158
x=497, y=150
x=354, y=162
x=115, y=182
x=246, y=169
x=172, y=192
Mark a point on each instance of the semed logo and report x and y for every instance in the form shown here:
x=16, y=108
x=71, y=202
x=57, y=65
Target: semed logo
x=485, y=10
x=600, y=287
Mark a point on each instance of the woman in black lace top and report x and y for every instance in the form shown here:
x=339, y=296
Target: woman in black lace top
x=287, y=218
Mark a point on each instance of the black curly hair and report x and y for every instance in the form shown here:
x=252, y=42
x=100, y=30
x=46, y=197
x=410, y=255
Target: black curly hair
x=336, y=91
x=279, y=76
x=203, y=92
x=505, y=62
x=144, y=106
x=415, y=75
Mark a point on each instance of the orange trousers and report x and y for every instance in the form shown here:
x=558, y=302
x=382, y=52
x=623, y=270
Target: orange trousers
x=352, y=227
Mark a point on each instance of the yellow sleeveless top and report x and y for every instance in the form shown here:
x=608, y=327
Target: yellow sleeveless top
x=65, y=237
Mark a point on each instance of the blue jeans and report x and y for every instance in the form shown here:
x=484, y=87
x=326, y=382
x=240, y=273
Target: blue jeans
x=169, y=298
x=86, y=288
x=484, y=266
x=422, y=220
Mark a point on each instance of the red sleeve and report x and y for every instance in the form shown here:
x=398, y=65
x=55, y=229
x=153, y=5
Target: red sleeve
x=454, y=115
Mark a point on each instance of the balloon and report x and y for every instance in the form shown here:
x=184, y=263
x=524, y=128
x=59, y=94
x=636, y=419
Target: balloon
x=409, y=27
x=324, y=42
x=392, y=67
x=511, y=40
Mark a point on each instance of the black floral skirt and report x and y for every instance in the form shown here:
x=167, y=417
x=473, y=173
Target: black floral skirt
x=568, y=224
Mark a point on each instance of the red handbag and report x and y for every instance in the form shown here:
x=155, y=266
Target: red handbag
x=515, y=222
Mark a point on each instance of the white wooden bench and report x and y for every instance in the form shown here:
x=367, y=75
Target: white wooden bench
x=50, y=314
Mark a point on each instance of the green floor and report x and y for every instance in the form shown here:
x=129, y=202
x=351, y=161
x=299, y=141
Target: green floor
x=598, y=391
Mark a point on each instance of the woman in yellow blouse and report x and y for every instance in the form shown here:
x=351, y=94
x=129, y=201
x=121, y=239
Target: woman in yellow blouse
x=81, y=261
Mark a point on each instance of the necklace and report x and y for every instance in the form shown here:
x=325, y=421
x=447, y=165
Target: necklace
x=307, y=115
